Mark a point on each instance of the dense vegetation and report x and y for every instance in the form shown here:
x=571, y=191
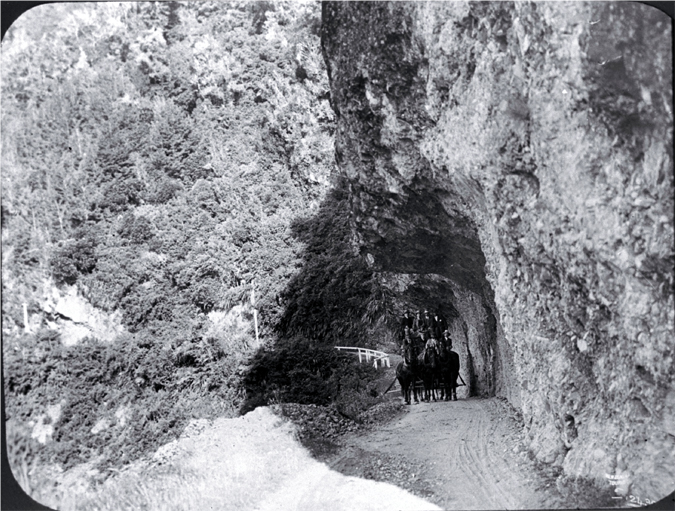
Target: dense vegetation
x=336, y=297
x=155, y=154
x=159, y=157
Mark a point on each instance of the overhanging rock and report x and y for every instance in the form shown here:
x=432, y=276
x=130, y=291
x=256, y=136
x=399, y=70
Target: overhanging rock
x=524, y=151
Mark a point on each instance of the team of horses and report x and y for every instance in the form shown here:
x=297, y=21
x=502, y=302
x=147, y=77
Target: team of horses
x=433, y=366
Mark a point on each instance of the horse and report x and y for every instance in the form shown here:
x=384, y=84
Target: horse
x=449, y=364
x=427, y=361
x=406, y=372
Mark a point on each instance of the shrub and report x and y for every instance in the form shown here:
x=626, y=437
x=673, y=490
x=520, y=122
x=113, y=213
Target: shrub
x=328, y=297
x=164, y=191
x=120, y=194
x=74, y=257
x=136, y=229
x=24, y=251
x=163, y=386
x=305, y=372
x=62, y=267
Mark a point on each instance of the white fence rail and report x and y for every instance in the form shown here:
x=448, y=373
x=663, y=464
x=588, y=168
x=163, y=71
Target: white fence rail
x=364, y=353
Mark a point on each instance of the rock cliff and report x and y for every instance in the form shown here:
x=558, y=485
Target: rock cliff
x=518, y=158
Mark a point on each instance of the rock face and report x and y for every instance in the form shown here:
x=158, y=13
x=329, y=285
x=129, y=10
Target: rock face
x=522, y=153
x=75, y=318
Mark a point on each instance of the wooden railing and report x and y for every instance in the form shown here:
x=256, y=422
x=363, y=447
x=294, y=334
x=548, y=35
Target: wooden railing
x=364, y=353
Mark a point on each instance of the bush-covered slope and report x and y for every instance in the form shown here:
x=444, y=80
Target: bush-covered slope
x=158, y=159
x=159, y=165
x=336, y=297
x=155, y=157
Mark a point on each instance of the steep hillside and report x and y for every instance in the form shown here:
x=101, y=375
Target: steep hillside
x=182, y=139
x=517, y=160
x=156, y=160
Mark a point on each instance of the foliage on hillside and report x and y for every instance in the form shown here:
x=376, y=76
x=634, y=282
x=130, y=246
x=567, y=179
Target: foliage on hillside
x=159, y=157
x=155, y=155
x=335, y=300
x=308, y=372
x=336, y=297
x=133, y=394
x=164, y=169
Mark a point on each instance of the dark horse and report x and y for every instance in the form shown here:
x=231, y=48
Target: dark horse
x=449, y=371
x=428, y=363
x=406, y=372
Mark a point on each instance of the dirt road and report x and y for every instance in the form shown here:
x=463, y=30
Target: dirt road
x=465, y=454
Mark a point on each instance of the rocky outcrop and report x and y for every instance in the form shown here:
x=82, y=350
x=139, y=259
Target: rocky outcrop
x=74, y=318
x=523, y=153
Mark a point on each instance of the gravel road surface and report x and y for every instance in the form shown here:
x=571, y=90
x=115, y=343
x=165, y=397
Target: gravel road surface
x=464, y=454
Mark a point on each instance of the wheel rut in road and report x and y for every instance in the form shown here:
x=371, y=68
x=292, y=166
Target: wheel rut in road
x=464, y=454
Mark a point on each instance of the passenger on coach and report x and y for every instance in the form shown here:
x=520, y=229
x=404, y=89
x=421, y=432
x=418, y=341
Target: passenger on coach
x=420, y=341
x=418, y=324
x=428, y=322
x=407, y=321
x=447, y=340
x=431, y=344
x=407, y=339
x=441, y=324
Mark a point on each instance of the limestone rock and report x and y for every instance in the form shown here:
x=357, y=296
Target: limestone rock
x=523, y=152
x=76, y=318
x=73, y=307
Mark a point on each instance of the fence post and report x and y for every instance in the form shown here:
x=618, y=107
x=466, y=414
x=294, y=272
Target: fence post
x=25, y=317
x=255, y=313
